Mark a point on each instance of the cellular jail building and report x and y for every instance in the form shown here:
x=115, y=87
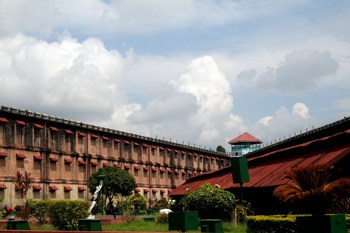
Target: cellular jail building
x=61, y=155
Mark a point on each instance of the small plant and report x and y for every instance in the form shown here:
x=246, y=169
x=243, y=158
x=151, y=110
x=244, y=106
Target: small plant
x=138, y=201
x=159, y=204
x=243, y=210
x=162, y=218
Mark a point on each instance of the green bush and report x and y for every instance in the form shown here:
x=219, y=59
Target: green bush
x=65, y=214
x=210, y=202
x=266, y=224
x=39, y=209
x=275, y=223
x=161, y=218
x=138, y=201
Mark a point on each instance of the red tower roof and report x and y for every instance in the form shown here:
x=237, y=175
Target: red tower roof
x=245, y=138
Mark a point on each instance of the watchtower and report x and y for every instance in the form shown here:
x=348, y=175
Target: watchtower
x=244, y=144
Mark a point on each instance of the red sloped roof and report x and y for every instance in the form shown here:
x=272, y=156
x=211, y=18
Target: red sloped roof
x=245, y=137
x=268, y=170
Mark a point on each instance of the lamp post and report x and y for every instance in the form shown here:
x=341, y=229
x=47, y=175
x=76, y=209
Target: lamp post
x=101, y=178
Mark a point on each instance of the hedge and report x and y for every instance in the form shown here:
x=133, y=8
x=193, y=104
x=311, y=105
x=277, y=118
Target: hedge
x=275, y=223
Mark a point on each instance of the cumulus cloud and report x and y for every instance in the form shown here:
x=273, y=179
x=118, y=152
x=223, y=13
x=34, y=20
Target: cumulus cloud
x=285, y=123
x=299, y=71
x=212, y=92
x=300, y=109
x=195, y=107
x=84, y=81
x=78, y=80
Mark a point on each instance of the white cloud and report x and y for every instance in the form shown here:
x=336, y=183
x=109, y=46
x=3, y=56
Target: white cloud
x=265, y=121
x=78, y=80
x=87, y=82
x=285, y=123
x=300, y=109
x=196, y=107
x=212, y=92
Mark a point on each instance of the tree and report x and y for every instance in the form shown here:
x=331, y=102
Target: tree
x=211, y=202
x=116, y=181
x=221, y=149
x=22, y=184
x=313, y=188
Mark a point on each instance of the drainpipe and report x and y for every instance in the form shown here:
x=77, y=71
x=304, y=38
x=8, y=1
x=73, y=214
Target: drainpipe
x=44, y=167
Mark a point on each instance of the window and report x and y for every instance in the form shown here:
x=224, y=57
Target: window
x=3, y=122
x=36, y=191
x=38, y=135
x=52, y=189
x=67, y=190
x=20, y=132
x=54, y=137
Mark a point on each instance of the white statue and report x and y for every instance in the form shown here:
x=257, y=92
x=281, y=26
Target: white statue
x=95, y=199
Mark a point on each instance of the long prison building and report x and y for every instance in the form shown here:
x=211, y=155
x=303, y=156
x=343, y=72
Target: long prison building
x=61, y=155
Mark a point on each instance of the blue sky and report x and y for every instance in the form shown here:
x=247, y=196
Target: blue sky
x=197, y=72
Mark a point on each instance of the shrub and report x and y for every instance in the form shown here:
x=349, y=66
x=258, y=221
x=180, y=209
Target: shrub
x=211, y=202
x=243, y=209
x=39, y=209
x=275, y=223
x=138, y=201
x=161, y=218
x=65, y=214
x=266, y=224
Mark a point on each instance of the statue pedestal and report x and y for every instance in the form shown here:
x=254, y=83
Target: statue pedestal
x=89, y=224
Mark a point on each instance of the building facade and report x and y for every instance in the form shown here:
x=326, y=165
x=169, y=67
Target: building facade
x=61, y=155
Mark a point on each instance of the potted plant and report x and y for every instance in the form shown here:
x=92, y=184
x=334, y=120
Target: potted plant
x=316, y=190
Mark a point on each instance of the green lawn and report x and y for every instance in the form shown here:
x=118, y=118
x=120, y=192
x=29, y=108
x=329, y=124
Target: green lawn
x=141, y=225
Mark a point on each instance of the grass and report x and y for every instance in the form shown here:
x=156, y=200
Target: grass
x=141, y=225
x=42, y=227
x=137, y=225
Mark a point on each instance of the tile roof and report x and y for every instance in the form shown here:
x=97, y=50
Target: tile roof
x=244, y=137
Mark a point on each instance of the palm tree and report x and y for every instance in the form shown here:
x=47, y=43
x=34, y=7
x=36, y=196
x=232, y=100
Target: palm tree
x=313, y=188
